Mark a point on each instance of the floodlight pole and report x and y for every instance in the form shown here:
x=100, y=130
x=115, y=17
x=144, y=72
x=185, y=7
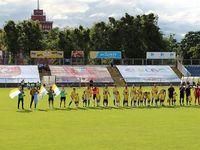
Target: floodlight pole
x=38, y=4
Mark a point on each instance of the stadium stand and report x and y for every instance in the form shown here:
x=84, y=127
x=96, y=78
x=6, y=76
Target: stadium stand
x=194, y=70
x=14, y=74
x=117, y=77
x=178, y=73
x=148, y=74
x=81, y=74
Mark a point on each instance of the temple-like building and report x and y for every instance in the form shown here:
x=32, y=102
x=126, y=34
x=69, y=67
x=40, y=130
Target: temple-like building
x=38, y=15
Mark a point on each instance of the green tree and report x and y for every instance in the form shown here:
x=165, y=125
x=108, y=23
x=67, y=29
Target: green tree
x=30, y=36
x=50, y=39
x=191, y=40
x=11, y=37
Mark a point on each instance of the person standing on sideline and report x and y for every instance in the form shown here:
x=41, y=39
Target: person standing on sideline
x=21, y=98
x=95, y=91
x=22, y=84
x=197, y=95
x=88, y=95
x=133, y=96
x=171, y=91
x=140, y=96
x=51, y=97
x=126, y=96
x=154, y=92
x=162, y=95
x=63, y=97
x=115, y=90
x=76, y=100
x=106, y=94
x=182, y=95
x=73, y=96
x=188, y=93
x=118, y=98
x=84, y=99
x=32, y=93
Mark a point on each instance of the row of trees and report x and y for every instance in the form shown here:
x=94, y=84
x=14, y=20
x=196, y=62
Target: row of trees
x=133, y=35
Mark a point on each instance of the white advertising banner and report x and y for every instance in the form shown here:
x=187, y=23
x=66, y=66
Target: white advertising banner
x=161, y=55
x=15, y=74
x=148, y=74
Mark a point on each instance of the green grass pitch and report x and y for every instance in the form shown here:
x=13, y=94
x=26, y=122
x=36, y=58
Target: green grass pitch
x=96, y=129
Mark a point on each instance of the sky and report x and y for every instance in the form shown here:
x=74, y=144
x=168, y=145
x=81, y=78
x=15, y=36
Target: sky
x=175, y=16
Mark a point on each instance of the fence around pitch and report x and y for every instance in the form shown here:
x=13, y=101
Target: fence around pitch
x=15, y=82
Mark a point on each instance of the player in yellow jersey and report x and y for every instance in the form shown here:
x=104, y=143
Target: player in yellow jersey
x=133, y=96
x=118, y=98
x=126, y=96
x=162, y=95
x=73, y=96
x=98, y=99
x=148, y=99
x=84, y=99
x=76, y=99
x=145, y=98
x=154, y=92
x=140, y=96
x=156, y=99
x=106, y=95
x=88, y=93
x=115, y=90
x=136, y=101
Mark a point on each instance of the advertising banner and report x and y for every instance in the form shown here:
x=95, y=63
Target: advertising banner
x=105, y=55
x=77, y=54
x=47, y=54
x=161, y=55
x=148, y=74
x=15, y=74
x=76, y=74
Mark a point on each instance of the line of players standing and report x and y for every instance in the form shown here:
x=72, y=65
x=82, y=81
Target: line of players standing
x=133, y=97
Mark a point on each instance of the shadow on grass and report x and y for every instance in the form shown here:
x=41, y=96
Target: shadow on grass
x=43, y=110
x=24, y=111
x=110, y=108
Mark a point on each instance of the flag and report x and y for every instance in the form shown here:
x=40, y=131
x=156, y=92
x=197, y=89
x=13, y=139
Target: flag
x=56, y=90
x=42, y=92
x=13, y=93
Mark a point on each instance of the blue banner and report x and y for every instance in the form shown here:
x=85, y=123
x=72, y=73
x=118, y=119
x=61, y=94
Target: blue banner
x=109, y=54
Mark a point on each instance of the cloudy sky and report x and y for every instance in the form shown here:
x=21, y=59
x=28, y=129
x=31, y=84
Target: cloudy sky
x=175, y=16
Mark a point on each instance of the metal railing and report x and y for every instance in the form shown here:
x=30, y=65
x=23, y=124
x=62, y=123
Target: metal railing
x=85, y=61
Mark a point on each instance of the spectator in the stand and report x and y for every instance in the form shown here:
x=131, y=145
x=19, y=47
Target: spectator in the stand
x=22, y=84
x=28, y=85
x=193, y=83
x=38, y=85
x=91, y=83
x=111, y=64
